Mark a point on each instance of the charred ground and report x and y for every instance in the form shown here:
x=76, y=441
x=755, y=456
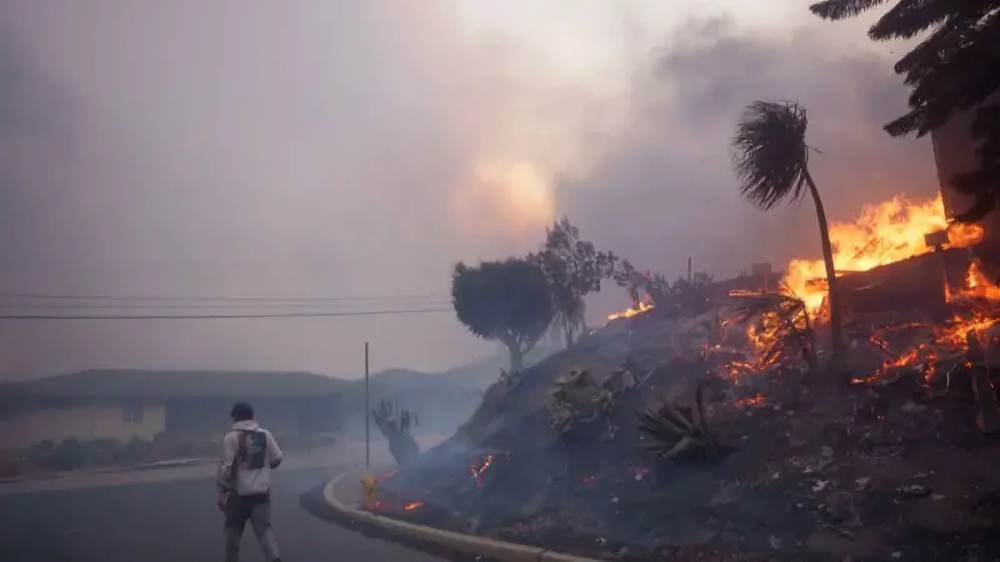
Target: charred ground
x=712, y=438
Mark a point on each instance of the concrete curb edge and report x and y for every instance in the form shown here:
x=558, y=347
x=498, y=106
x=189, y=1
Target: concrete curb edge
x=459, y=542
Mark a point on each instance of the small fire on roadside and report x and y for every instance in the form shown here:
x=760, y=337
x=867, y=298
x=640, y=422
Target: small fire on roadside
x=412, y=505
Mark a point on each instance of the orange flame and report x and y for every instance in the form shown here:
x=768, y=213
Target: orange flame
x=413, y=505
x=479, y=468
x=884, y=233
x=749, y=401
x=641, y=308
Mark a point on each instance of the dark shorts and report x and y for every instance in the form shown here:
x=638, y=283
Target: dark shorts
x=240, y=509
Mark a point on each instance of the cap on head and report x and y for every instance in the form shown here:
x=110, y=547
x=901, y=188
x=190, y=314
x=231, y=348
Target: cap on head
x=241, y=412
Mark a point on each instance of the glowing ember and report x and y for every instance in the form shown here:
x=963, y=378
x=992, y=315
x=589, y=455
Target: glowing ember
x=884, y=233
x=385, y=476
x=479, y=468
x=750, y=401
x=638, y=471
x=412, y=506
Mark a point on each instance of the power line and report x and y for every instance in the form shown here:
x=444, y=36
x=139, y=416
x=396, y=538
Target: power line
x=226, y=316
x=202, y=306
x=206, y=298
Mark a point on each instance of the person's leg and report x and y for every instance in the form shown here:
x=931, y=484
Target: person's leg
x=237, y=513
x=260, y=520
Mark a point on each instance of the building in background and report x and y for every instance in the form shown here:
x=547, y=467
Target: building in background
x=175, y=406
x=955, y=153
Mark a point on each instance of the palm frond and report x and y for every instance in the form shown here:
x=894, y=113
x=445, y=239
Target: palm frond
x=770, y=153
x=784, y=316
x=751, y=305
x=842, y=9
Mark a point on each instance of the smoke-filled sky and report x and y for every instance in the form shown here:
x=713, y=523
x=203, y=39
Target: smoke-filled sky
x=342, y=149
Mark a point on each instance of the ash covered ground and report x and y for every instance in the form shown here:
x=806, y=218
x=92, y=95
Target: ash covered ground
x=725, y=436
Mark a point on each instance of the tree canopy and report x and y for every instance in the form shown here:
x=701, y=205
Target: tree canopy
x=574, y=269
x=954, y=68
x=507, y=301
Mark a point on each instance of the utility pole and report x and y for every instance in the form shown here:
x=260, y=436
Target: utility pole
x=689, y=269
x=368, y=416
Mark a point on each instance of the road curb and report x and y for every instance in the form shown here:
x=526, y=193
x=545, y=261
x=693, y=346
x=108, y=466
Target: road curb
x=500, y=551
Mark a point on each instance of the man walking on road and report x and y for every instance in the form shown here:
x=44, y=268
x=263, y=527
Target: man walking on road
x=249, y=453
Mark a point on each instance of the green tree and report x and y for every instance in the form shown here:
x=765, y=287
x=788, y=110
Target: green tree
x=507, y=301
x=574, y=269
x=953, y=68
x=771, y=160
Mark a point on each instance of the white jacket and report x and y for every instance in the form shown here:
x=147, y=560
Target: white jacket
x=246, y=467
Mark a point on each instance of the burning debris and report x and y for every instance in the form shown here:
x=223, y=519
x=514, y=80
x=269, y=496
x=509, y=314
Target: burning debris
x=779, y=330
x=774, y=457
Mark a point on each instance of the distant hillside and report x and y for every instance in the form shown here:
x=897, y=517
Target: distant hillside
x=132, y=383
x=480, y=374
x=442, y=401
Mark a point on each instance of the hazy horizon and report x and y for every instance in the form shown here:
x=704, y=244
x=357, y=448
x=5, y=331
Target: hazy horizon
x=361, y=149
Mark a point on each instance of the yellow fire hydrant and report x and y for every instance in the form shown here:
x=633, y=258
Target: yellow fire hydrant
x=368, y=483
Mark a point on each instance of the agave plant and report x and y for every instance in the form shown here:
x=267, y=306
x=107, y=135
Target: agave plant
x=674, y=431
x=562, y=418
x=576, y=398
x=566, y=399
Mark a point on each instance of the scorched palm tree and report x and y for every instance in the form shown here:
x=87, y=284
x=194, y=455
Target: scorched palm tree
x=772, y=165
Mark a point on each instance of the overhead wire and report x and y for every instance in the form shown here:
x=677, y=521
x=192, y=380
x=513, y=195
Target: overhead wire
x=328, y=314
x=205, y=298
x=208, y=307
x=201, y=306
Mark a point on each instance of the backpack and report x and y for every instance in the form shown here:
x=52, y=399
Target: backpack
x=251, y=451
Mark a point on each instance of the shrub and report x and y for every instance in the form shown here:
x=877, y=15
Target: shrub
x=69, y=454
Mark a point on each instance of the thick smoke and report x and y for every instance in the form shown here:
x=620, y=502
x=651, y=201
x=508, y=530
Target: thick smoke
x=665, y=189
x=314, y=149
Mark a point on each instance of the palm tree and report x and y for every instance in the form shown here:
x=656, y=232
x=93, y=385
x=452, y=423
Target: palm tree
x=953, y=65
x=772, y=165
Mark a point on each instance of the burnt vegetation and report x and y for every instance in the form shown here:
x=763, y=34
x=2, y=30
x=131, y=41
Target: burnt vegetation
x=736, y=419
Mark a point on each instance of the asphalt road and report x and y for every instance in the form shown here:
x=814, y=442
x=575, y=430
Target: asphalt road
x=173, y=521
